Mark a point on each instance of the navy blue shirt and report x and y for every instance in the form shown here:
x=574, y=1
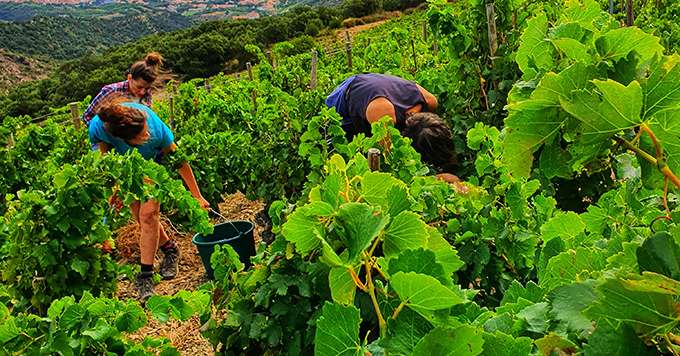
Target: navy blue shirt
x=352, y=97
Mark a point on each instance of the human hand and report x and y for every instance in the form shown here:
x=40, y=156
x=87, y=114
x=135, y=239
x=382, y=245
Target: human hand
x=203, y=203
x=453, y=179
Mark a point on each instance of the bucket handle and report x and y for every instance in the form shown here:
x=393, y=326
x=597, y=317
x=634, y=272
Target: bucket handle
x=225, y=220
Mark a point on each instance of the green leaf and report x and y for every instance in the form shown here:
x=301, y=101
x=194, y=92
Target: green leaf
x=462, y=341
x=571, y=266
x=342, y=285
x=533, y=122
x=662, y=87
x=568, y=303
x=131, y=319
x=564, y=225
x=8, y=330
x=666, y=127
x=384, y=190
x=616, y=110
x=406, y=232
x=536, y=317
x=404, y=333
x=531, y=292
x=653, y=283
x=552, y=343
x=573, y=50
x=101, y=331
x=303, y=229
x=501, y=344
x=337, y=331
x=660, y=254
x=617, y=44
x=648, y=313
x=445, y=253
x=420, y=261
x=535, y=51
x=609, y=340
x=80, y=266
x=424, y=293
x=72, y=316
x=358, y=224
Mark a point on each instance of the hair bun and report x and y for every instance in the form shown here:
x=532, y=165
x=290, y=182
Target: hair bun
x=153, y=59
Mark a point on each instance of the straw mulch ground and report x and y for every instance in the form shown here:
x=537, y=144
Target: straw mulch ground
x=185, y=336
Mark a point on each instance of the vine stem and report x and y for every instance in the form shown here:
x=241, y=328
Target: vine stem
x=357, y=281
x=398, y=310
x=644, y=128
x=649, y=158
x=371, y=291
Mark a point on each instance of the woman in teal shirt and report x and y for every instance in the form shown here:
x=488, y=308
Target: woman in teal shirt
x=123, y=126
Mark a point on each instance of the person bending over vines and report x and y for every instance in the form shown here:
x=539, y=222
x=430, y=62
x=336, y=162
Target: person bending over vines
x=124, y=126
x=366, y=98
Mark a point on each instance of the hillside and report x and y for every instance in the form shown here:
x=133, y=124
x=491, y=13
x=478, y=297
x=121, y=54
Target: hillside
x=70, y=37
x=16, y=69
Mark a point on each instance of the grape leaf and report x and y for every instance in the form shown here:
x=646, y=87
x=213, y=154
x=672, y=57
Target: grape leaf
x=617, y=44
x=571, y=266
x=568, y=302
x=660, y=254
x=342, y=285
x=564, y=225
x=424, y=293
x=501, y=344
x=548, y=344
x=648, y=313
x=406, y=232
x=358, y=224
x=608, y=340
x=662, y=87
x=535, y=52
x=404, y=333
x=420, y=261
x=462, y=341
x=337, y=331
x=445, y=254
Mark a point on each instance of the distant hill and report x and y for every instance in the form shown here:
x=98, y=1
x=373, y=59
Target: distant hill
x=16, y=69
x=68, y=37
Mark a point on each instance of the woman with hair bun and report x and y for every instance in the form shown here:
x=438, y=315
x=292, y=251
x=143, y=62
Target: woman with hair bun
x=366, y=98
x=124, y=126
x=143, y=77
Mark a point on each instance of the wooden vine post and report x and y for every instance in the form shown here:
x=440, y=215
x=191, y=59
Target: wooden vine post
x=374, y=159
x=629, y=13
x=206, y=85
x=253, y=94
x=172, y=111
x=313, y=81
x=348, y=49
x=11, y=139
x=425, y=31
x=75, y=115
x=491, y=30
x=415, y=57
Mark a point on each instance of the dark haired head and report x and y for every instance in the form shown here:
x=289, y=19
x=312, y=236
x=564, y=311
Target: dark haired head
x=148, y=69
x=122, y=121
x=432, y=139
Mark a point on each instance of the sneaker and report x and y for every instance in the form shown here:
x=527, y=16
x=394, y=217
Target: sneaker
x=144, y=285
x=170, y=264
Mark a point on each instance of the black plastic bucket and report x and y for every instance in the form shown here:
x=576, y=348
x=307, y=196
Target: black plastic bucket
x=238, y=234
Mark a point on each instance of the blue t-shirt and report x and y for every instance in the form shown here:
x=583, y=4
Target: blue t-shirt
x=160, y=135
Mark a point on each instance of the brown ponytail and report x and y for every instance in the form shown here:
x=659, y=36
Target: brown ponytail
x=122, y=121
x=150, y=69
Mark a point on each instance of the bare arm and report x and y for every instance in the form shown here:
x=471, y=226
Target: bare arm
x=103, y=147
x=379, y=108
x=430, y=99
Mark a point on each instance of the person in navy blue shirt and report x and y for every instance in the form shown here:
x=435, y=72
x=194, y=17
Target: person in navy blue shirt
x=124, y=126
x=366, y=98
